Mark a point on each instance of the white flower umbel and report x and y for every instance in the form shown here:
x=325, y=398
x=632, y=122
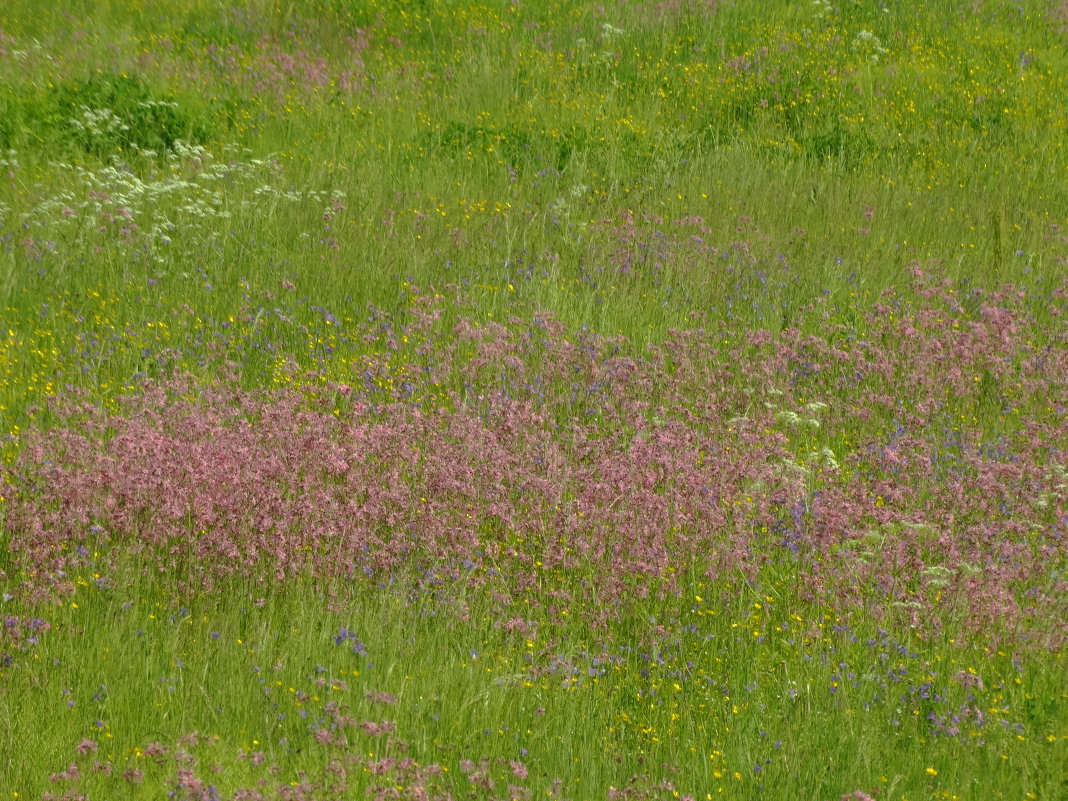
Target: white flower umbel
x=98, y=122
x=867, y=44
x=192, y=190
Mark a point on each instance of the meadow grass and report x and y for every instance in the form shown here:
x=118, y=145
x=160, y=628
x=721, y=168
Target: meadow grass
x=509, y=400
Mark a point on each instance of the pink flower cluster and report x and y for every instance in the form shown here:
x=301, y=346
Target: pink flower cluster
x=915, y=465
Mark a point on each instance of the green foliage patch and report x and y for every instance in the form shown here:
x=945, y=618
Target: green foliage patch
x=97, y=116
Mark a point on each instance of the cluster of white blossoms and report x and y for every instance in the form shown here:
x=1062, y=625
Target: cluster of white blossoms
x=187, y=195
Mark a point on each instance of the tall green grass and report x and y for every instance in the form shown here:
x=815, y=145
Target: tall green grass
x=517, y=158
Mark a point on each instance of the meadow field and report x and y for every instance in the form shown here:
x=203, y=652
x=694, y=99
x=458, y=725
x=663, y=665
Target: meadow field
x=514, y=400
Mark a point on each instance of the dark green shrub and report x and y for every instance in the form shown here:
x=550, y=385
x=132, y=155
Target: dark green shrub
x=95, y=115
